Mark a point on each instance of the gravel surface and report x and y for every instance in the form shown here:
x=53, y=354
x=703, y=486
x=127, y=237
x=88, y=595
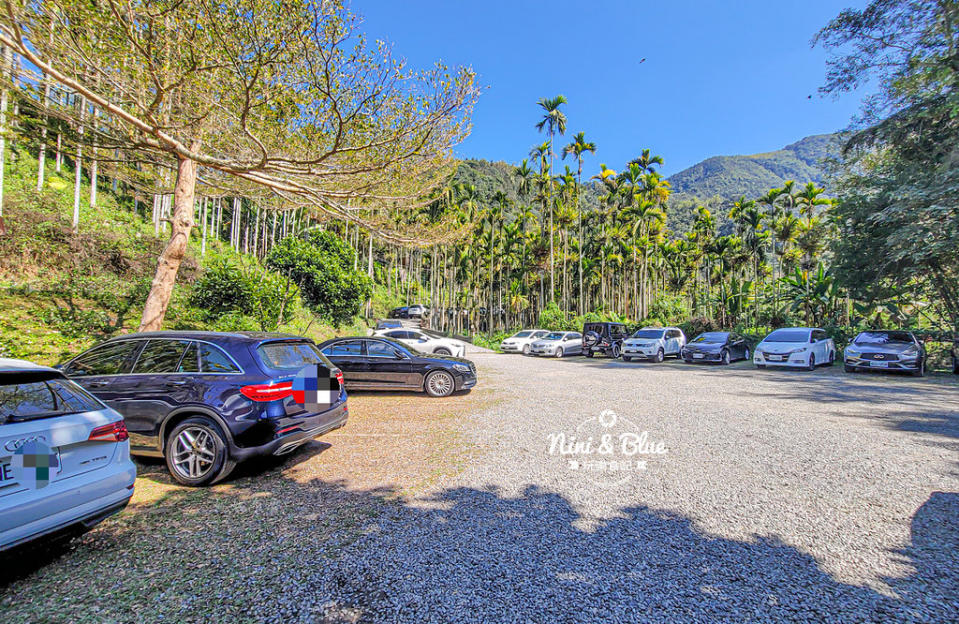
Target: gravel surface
x=781, y=496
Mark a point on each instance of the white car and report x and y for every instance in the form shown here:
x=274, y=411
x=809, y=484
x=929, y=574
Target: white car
x=558, y=344
x=795, y=347
x=64, y=456
x=520, y=341
x=654, y=343
x=417, y=310
x=427, y=343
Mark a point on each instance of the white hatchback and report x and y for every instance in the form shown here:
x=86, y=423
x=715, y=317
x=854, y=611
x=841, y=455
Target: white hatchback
x=64, y=456
x=654, y=343
x=795, y=347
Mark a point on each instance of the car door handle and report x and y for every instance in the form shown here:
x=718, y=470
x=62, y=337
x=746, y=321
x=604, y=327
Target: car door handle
x=95, y=384
x=176, y=382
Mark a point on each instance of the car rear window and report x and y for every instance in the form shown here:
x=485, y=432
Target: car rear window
x=41, y=395
x=291, y=355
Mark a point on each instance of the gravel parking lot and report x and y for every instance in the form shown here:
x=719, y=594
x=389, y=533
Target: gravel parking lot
x=782, y=496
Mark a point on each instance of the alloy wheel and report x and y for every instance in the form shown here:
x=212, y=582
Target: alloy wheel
x=439, y=384
x=194, y=452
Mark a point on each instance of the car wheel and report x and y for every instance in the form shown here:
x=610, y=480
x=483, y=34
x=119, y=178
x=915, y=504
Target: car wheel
x=627, y=358
x=848, y=368
x=559, y=352
x=921, y=371
x=588, y=353
x=725, y=357
x=812, y=363
x=439, y=384
x=760, y=366
x=197, y=453
x=615, y=352
x=442, y=351
x=746, y=354
x=660, y=356
x=832, y=358
x=525, y=349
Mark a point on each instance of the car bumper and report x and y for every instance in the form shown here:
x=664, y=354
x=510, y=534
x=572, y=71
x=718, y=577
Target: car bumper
x=542, y=352
x=86, y=503
x=794, y=361
x=695, y=357
x=899, y=365
x=465, y=382
x=640, y=352
x=291, y=433
x=510, y=348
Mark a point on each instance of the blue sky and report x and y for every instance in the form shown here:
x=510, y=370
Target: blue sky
x=720, y=77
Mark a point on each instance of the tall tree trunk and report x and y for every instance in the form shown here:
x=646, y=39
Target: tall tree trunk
x=4, y=99
x=169, y=262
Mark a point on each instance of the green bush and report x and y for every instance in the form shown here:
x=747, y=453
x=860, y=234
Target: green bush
x=551, y=317
x=698, y=325
x=232, y=297
x=321, y=264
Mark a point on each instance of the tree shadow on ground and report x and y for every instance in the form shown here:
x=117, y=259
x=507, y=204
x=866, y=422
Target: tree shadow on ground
x=267, y=547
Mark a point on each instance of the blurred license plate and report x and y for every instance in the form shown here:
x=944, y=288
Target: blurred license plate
x=698, y=356
x=777, y=358
x=879, y=364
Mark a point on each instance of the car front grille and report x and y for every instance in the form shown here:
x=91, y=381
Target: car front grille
x=882, y=357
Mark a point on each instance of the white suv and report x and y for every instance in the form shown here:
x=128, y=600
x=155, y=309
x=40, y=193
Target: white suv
x=64, y=456
x=654, y=343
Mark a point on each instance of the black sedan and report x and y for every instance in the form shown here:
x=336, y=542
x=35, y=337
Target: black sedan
x=383, y=364
x=887, y=351
x=400, y=313
x=722, y=347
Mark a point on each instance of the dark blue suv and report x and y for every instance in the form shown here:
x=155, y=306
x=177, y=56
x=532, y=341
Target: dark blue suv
x=207, y=400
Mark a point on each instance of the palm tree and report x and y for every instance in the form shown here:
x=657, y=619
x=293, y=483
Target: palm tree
x=553, y=121
x=578, y=148
x=808, y=198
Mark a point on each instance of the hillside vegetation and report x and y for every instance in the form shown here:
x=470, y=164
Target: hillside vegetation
x=60, y=292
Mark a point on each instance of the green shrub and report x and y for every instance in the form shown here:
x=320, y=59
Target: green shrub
x=230, y=296
x=551, y=317
x=321, y=264
x=698, y=325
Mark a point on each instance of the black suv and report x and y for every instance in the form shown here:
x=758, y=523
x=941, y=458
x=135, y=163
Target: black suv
x=604, y=338
x=206, y=400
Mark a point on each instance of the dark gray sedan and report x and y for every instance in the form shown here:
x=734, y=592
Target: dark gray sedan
x=887, y=351
x=716, y=347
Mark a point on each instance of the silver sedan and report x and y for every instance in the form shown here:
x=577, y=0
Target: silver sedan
x=558, y=344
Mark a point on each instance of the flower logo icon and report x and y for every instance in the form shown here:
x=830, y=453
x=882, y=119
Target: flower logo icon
x=607, y=418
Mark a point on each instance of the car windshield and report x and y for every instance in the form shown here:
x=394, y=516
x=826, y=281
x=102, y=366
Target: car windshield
x=34, y=395
x=291, y=355
x=649, y=333
x=884, y=338
x=711, y=337
x=523, y=334
x=788, y=335
x=554, y=336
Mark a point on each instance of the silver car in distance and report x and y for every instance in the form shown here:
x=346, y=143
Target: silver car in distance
x=558, y=344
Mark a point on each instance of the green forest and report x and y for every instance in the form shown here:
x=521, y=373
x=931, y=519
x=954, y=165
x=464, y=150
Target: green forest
x=149, y=180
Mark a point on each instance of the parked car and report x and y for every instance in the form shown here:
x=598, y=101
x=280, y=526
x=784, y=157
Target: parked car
x=886, y=350
x=206, y=400
x=558, y=344
x=795, y=347
x=417, y=311
x=83, y=443
x=388, y=324
x=383, y=364
x=603, y=338
x=520, y=341
x=654, y=343
x=425, y=342
x=722, y=347
x=398, y=313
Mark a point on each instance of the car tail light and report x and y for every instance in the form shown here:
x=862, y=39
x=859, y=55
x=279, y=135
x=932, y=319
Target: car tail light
x=268, y=392
x=339, y=377
x=114, y=432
